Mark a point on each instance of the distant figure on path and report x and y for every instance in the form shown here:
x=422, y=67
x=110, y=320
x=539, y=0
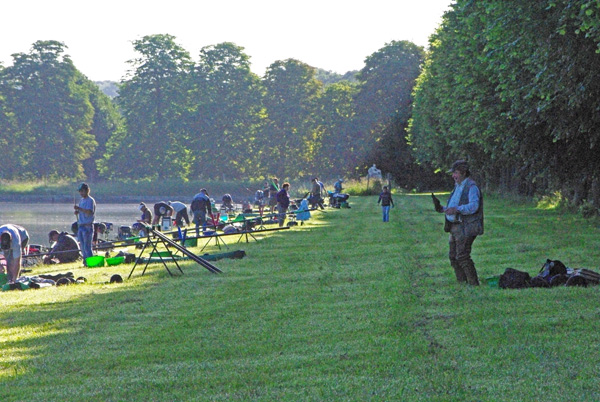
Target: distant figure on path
x=385, y=198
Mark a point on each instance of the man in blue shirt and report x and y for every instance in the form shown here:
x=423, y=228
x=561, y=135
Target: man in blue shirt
x=85, y=212
x=464, y=222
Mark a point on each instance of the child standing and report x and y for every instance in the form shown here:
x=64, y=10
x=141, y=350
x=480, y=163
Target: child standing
x=385, y=198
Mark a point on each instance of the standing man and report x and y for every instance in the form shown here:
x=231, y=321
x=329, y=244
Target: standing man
x=273, y=190
x=317, y=193
x=283, y=203
x=200, y=205
x=386, y=200
x=464, y=222
x=85, y=212
x=13, y=241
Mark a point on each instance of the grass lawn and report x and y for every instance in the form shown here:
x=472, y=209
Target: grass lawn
x=346, y=308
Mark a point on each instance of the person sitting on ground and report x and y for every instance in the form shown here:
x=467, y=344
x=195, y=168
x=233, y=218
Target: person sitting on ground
x=146, y=214
x=283, y=203
x=199, y=207
x=64, y=248
x=337, y=187
x=12, y=247
x=161, y=209
x=180, y=213
x=99, y=229
x=227, y=205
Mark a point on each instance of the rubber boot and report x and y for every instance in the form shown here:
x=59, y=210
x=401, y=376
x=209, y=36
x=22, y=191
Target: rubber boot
x=470, y=271
x=459, y=272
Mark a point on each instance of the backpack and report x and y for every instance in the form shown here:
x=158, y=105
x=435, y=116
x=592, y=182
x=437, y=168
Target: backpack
x=552, y=268
x=514, y=279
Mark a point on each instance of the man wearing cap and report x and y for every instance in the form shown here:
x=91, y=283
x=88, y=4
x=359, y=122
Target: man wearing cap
x=200, y=206
x=85, y=212
x=13, y=241
x=64, y=248
x=146, y=214
x=464, y=221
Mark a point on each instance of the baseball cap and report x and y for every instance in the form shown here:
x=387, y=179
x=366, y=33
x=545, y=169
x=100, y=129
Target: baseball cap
x=459, y=164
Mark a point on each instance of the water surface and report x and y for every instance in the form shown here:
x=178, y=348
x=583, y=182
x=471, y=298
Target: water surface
x=39, y=219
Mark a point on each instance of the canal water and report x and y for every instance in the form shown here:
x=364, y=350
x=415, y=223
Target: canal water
x=39, y=218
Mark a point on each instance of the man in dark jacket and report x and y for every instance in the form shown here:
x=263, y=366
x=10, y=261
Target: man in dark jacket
x=65, y=248
x=283, y=203
x=464, y=222
x=201, y=204
x=386, y=200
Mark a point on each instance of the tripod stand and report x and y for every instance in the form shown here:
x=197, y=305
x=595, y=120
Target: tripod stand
x=164, y=240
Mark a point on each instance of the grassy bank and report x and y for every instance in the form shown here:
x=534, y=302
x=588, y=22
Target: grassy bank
x=346, y=308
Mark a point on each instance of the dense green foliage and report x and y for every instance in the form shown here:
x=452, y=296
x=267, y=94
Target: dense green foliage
x=345, y=308
x=512, y=87
x=210, y=119
x=47, y=115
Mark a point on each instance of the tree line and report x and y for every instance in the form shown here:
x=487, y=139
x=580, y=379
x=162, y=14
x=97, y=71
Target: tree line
x=176, y=118
x=509, y=86
x=512, y=87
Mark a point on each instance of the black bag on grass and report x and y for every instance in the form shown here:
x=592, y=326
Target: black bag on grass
x=514, y=279
x=552, y=268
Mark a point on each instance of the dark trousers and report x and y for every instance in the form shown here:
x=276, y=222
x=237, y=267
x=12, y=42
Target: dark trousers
x=182, y=216
x=460, y=255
